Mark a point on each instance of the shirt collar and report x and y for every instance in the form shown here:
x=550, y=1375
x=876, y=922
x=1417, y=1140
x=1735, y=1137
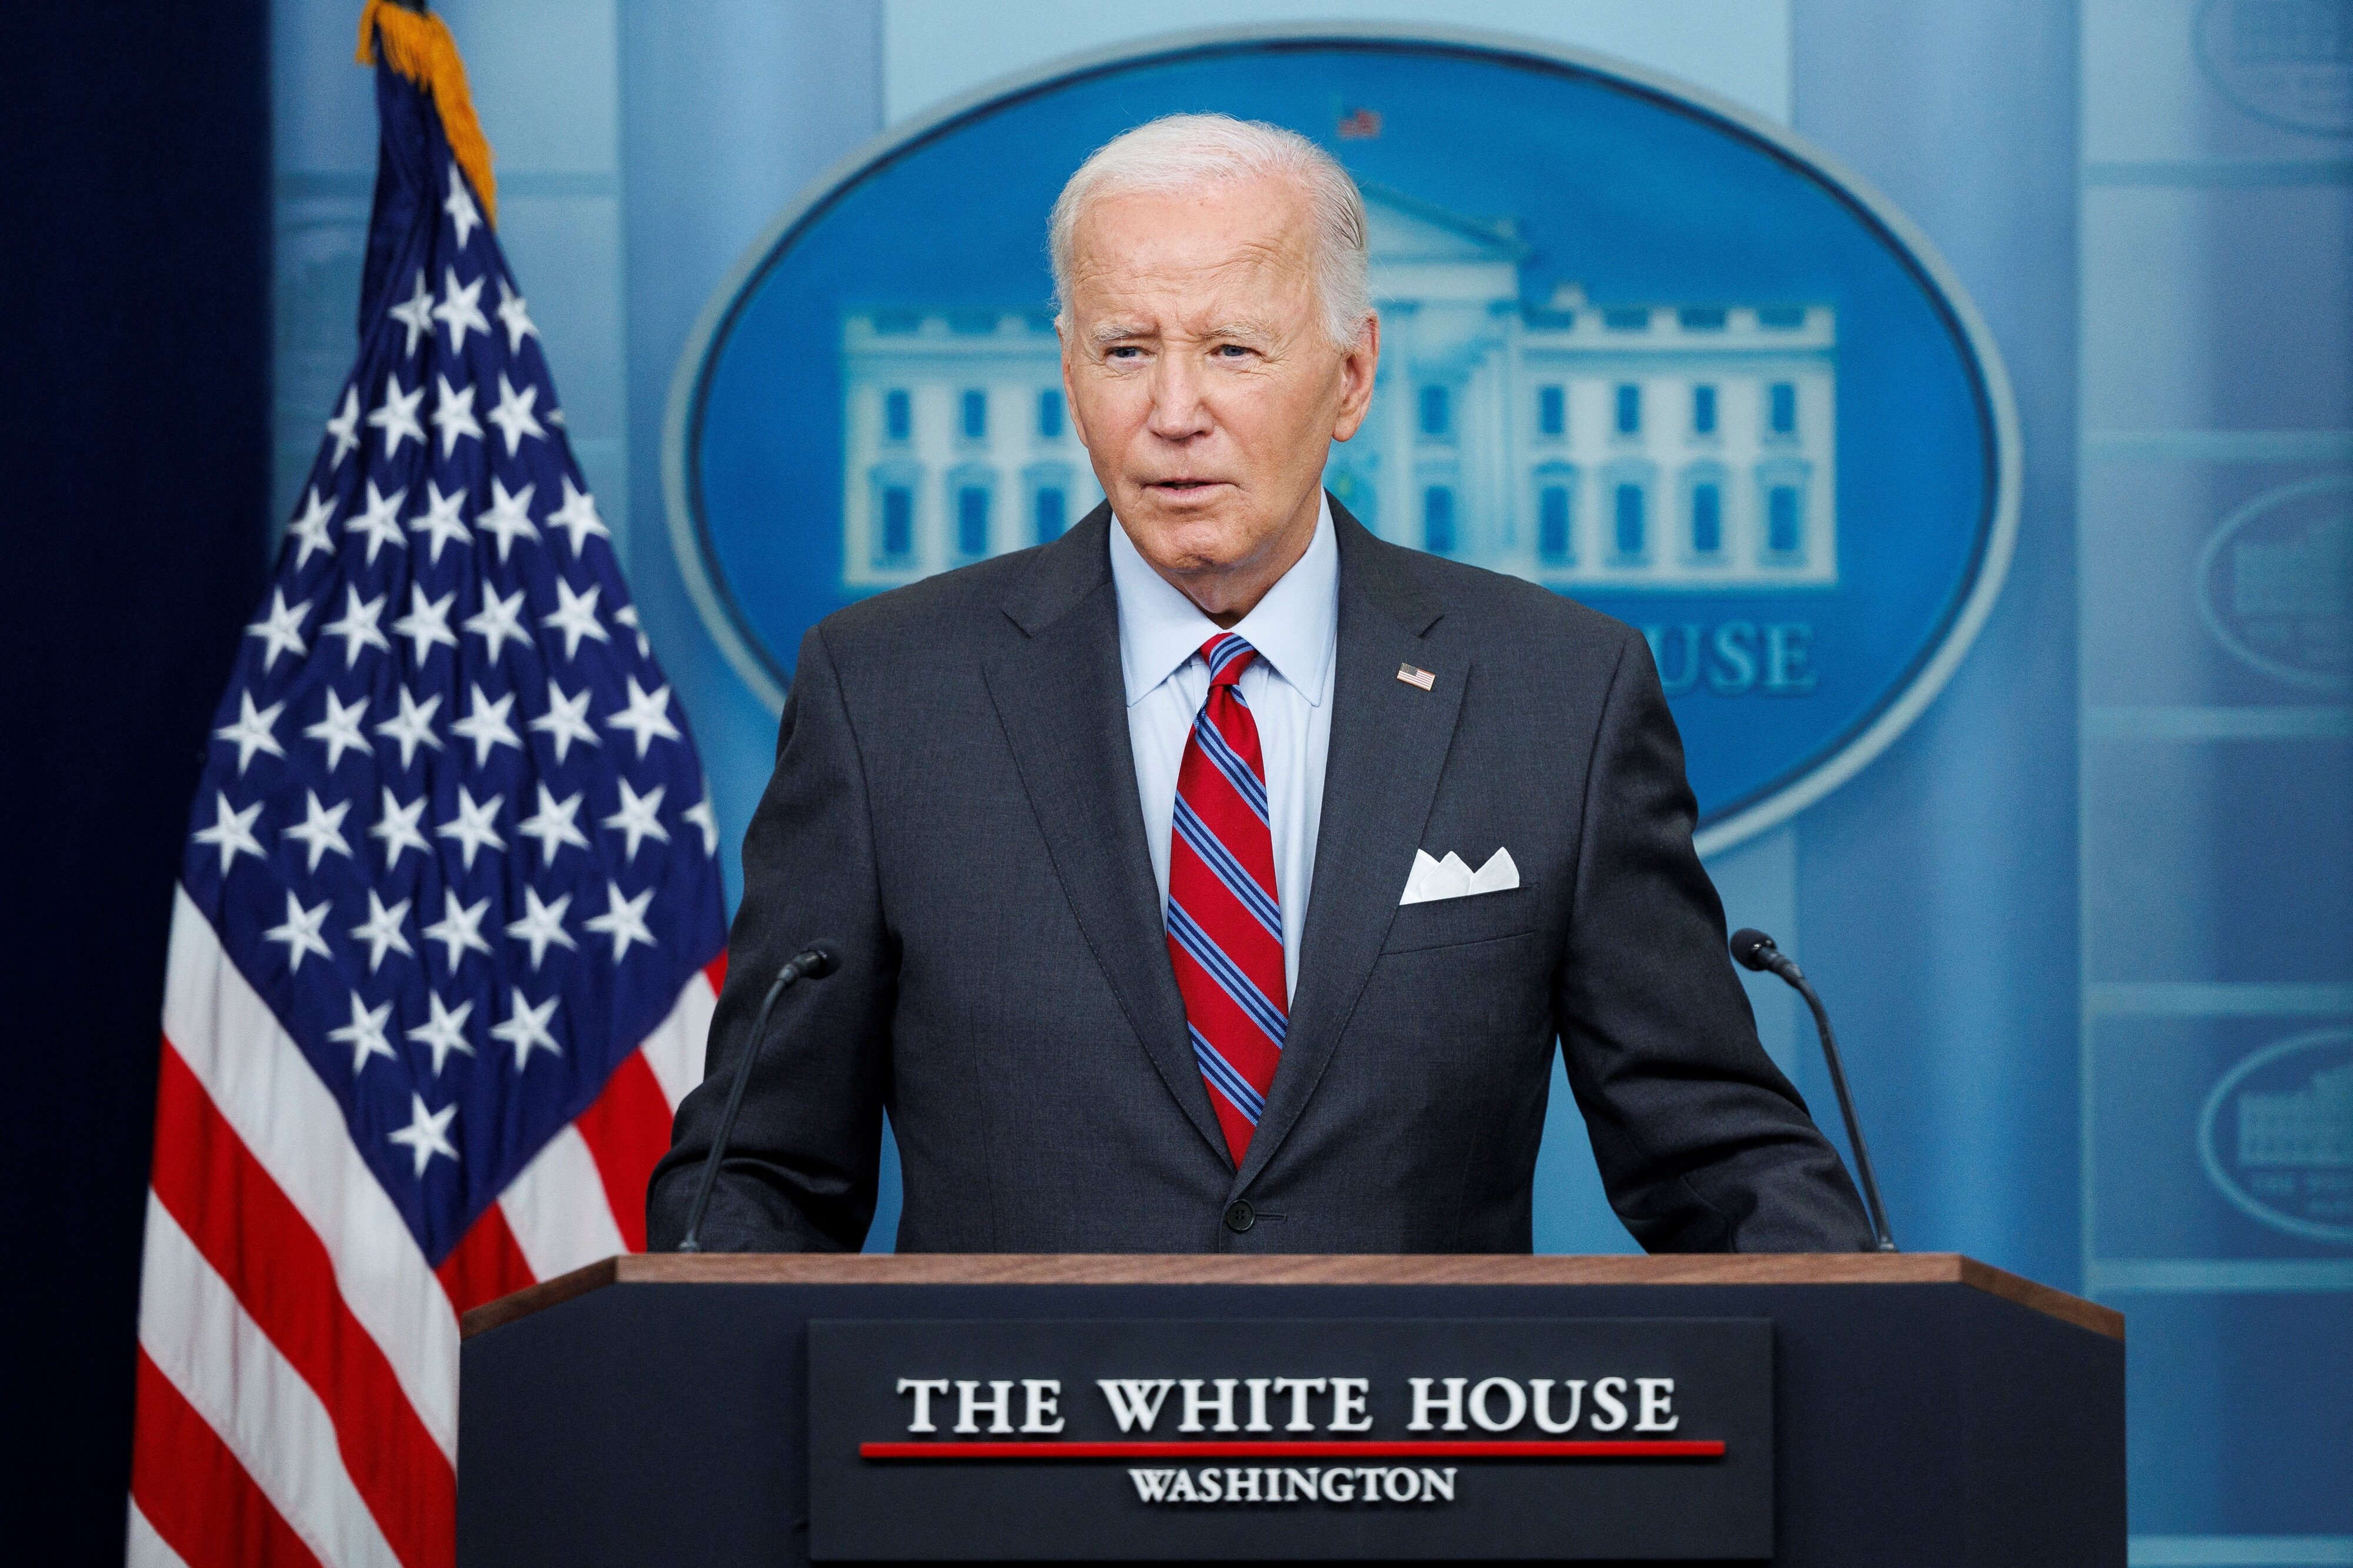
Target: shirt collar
x=1293, y=628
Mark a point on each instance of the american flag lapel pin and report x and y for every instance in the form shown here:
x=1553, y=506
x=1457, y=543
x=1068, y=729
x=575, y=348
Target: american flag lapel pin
x=1413, y=677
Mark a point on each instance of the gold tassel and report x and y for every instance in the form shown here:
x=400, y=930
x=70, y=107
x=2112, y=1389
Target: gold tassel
x=417, y=45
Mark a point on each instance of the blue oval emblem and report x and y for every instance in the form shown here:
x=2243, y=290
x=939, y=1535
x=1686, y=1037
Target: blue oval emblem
x=2275, y=584
x=1639, y=346
x=2276, y=1135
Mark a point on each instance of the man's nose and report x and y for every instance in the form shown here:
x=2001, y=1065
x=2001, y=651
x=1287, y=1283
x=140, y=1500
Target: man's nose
x=1178, y=410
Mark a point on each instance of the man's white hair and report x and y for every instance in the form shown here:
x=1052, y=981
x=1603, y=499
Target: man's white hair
x=1184, y=152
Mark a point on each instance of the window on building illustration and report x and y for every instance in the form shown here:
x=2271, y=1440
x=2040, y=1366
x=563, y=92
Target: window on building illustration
x=1630, y=410
x=1552, y=410
x=1435, y=412
x=1627, y=319
x=1050, y=414
x=975, y=416
x=1706, y=520
x=971, y=520
x=897, y=541
x=1702, y=317
x=1781, y=408
x=1781, y=318
x=898, y=415
x=1438, y=520
x=1702, y=411
x=1052, y=511
x=1553, y=540
x=1627, y=509
x=1784, y=521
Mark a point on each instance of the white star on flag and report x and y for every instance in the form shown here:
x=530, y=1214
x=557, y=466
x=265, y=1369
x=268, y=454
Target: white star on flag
x=365, y=1033
x=575, y=616
x=703, y=817
x=340, y=730
x=509, y=516
x=499, y=621
x=518, y=320
x=232, y=832
x=476, y=828
x=321, y=830
x=397, y=826
x=460, y=207
x=280, y=628
x=251, y=732
x=577, y=517
x=566, y=720
x=344, y=430
x=627, y=615
x=441, y=519
x=460, y=929
x=646, y=716
x=428, y=1133
x=301, y=932
x=553, y=825
x=445, y=1031
x=380, y=931
x=358, y=626
x=413, y=726
x=458, y=311
x=486, y=726
x=427, y=623
x=526, y=1028
x=513, y=415
x=416, y=315
x=309, y=529
x=396, y=415
x=453, y=414
x=638, y=818
x=379, y=521
x=624, y=919
x=542, y=924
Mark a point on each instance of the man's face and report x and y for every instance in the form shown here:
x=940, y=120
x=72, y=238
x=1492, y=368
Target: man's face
x=1203, y=382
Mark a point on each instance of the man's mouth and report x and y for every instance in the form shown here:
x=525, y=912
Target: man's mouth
x=1184, y=486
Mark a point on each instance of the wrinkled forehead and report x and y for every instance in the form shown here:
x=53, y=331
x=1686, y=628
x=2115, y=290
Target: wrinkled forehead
x=1214, y=247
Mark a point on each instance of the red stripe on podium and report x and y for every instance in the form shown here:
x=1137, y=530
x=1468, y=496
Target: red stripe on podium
x=1631, y=1449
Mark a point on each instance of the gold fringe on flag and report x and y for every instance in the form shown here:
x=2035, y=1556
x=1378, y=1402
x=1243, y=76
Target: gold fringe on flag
x=417, y=45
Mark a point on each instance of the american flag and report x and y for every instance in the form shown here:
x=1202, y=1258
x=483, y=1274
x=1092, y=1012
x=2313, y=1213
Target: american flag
x=447, y=936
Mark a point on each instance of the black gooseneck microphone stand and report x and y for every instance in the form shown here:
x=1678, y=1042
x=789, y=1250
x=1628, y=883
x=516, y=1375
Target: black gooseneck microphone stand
x=1756, y=951
x=815, y=961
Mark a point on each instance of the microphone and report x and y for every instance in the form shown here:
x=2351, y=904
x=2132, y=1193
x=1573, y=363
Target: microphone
x=1754, y=950
x=814, y=962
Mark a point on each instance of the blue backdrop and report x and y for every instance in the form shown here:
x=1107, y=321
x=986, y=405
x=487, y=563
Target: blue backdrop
x=2085, y=923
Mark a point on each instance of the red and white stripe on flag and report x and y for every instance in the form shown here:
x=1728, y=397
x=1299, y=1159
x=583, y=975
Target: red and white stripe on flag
x=297, y=1356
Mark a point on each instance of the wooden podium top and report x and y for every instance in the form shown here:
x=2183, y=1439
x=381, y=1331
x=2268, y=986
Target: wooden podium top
x=1168, y=1268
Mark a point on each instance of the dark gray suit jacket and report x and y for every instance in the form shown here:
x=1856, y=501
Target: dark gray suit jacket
x=955, y=803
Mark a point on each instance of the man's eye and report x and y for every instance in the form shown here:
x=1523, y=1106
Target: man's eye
x=1125, y=351
x=1232, y=351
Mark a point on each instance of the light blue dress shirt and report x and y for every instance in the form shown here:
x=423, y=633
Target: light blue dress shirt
x=1296, y=631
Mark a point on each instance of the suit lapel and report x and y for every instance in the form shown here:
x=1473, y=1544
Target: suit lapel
x=1063, y=704
x=1389, y=745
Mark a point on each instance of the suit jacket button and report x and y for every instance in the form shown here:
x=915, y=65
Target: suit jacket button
x=1240, y=1218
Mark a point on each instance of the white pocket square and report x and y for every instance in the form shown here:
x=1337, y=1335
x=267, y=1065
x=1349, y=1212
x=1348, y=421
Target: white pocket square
x=1453, y=879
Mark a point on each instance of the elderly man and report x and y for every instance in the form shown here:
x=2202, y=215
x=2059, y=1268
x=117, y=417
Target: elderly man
x=1219, y=877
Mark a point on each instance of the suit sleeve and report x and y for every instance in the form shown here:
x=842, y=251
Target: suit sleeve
x=802, y=1166
x=1703, y=1146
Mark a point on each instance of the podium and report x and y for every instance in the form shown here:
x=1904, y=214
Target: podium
x=1818, y=1410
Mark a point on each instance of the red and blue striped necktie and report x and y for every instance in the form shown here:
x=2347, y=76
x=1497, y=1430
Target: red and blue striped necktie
x=1225, y=918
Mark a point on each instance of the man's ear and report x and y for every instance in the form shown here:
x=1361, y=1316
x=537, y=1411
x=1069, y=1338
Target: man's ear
x=1357, y=370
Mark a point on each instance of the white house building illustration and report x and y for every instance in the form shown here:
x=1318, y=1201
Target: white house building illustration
x=2307, y=1126
x=1622, y=445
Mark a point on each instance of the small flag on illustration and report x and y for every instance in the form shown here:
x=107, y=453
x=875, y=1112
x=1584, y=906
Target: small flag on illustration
x=448, y=929
x=1360, y=125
